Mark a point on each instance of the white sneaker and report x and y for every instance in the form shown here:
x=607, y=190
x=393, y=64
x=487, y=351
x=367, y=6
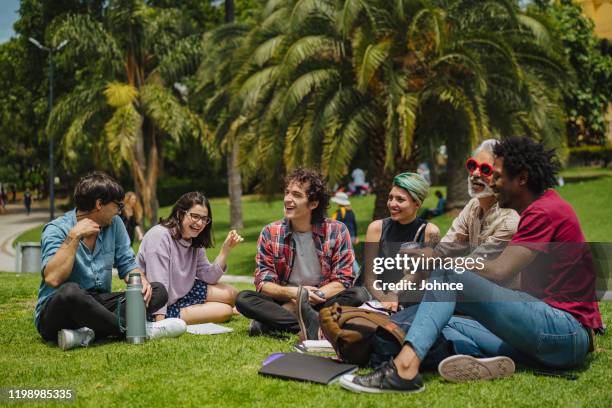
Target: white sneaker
x=171, y=327
x=461, y=368
x=68, y=339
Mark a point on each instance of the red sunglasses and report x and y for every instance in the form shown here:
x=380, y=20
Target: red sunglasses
x=485, y=168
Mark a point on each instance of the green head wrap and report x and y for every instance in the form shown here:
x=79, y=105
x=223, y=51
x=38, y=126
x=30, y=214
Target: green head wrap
x=414, y=183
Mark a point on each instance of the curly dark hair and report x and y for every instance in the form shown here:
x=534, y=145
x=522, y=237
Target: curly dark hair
x=523, y=154
x=317, y=190
x=180, y=209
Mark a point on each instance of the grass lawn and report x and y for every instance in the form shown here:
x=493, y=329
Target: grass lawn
x=222, y=370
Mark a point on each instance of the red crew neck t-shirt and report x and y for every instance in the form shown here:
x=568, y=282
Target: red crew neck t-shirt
x=562, y=273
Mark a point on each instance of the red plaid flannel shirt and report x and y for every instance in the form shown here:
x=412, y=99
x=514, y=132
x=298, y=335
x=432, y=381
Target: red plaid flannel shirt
x=276, y=250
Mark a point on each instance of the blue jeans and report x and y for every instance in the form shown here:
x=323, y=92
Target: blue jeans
x=521, y=327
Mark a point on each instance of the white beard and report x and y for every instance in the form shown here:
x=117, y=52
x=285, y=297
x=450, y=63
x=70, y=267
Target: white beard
x=487, y=192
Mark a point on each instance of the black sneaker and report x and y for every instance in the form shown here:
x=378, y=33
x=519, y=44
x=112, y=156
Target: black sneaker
x=308, y=318
x=384, y=379
x=257, y=328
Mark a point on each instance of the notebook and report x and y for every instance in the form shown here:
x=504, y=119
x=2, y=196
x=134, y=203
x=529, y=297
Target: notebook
x=314, y=346
x=208, y=328
x=305, y=367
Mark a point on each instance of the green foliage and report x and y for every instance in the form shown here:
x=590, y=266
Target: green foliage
x=587, y=155
x=587, y=99
x=316, y=79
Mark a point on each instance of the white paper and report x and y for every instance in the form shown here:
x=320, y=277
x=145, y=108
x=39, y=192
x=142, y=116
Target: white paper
x=208, y=328
x=317, y=344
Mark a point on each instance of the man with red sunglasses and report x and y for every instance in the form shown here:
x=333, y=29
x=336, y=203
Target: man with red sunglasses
x=482, y=229
x=548, y=323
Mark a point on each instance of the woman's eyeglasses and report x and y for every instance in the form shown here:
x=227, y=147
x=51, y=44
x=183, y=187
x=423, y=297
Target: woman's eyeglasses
x=485, y=168
x=197, y=218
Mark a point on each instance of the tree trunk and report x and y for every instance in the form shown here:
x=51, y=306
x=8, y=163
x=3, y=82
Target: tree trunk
x=234, y=181
x=456, y=182
x=229, y=11
x=381, y=177
x=234, y=187
x=145, y=174
x=433, y=164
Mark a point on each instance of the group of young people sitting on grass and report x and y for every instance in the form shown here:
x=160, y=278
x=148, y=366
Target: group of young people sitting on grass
x=527, y=303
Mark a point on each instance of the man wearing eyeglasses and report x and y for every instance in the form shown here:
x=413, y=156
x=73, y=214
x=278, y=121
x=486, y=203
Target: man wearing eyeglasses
x=79, y=250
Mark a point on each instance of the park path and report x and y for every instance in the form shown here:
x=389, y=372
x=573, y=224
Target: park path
x=12, y=224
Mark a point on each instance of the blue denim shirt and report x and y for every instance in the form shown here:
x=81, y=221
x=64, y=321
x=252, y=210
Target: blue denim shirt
x=91, y=270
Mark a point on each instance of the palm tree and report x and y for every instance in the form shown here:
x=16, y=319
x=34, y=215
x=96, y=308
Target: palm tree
x=394, y=75
x=126, y=100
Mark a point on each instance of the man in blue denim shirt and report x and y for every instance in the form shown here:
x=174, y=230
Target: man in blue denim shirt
x=79, y=250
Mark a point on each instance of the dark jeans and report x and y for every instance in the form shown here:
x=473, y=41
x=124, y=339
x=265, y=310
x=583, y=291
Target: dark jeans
x=72, y=307
x=271, y=313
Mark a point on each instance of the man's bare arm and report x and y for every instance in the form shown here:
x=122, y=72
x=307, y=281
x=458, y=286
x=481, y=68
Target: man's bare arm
x=59, y=267
x=512, y=261
x=278, y=292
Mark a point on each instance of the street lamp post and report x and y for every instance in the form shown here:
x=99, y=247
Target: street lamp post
x=50, y=50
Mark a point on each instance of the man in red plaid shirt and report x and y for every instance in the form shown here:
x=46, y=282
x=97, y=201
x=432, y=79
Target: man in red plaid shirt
x=304, y=263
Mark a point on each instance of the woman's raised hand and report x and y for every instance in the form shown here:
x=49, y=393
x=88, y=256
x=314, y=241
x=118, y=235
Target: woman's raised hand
x=233, y=239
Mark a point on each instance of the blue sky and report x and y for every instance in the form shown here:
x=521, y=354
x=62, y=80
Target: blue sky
x=8, y=16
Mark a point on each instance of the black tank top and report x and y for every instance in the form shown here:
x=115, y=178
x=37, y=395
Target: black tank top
x=392, y=237
x=394, y=234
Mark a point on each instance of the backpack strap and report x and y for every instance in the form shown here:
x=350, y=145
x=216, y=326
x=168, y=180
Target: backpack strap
x=347, y=313
x=420, y=234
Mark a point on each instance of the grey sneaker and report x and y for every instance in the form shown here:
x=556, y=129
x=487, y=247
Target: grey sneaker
x=383, y=379
x=308, y=318
x=171, y=327
x=69, y=339
x=461, y=368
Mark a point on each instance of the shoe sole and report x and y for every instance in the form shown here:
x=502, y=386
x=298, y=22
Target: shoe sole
x=62, y=340
x=346, y=382
x=463, y=368
x=299, y=314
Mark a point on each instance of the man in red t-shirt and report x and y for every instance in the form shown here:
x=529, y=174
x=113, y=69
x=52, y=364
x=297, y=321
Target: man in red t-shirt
x=548, y=323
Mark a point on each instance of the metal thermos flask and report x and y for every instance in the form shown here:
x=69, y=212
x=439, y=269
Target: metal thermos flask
x=135, y=310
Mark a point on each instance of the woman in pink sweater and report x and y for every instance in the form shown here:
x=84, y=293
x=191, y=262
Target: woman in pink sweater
x=173, y=253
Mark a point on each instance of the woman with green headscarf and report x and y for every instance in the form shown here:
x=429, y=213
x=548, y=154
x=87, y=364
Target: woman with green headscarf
x=403, y=225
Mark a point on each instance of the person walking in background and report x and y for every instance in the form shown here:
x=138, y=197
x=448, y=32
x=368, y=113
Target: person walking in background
x=27, y=201
x=3, y=197
x=439, y=210
x=131, y=216
x=359, y=185
x=345, y=215
x=14, y=192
